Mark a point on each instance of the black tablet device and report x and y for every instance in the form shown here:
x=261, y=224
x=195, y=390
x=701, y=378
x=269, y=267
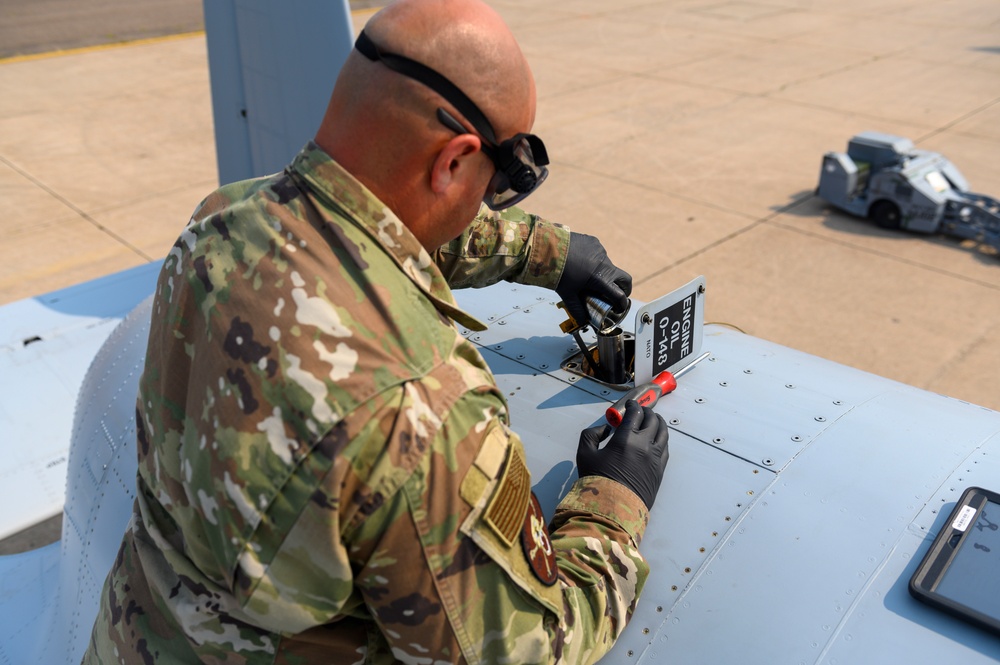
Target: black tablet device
x=961, y=572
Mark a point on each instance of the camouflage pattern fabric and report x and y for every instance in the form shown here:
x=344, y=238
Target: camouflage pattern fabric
x=326, y=472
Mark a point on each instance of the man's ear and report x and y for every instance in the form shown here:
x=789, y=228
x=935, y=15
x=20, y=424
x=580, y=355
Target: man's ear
x=455, y=162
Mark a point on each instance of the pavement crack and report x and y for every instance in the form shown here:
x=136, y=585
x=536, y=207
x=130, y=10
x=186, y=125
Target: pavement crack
x=888, y=255
x=76, y=209
x=958, y=120
x=960, y=356
x=723, y=240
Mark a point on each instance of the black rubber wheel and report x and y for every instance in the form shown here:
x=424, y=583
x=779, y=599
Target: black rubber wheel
x=886, y=215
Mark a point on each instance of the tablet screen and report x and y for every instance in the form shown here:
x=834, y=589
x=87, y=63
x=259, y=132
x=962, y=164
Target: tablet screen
x=973, y=577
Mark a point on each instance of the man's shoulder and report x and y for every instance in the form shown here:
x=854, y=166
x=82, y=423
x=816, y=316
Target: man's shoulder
x=231, y=193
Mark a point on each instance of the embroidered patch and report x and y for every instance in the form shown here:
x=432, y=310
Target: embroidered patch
x=537, y=544
x=505, y=514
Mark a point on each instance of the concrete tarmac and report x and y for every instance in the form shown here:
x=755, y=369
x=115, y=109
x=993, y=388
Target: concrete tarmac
x=42, y=26
x=687, y=135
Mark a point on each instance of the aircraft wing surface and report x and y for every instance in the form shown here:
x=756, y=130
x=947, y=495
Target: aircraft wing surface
x=799, y=497
x=46, y=345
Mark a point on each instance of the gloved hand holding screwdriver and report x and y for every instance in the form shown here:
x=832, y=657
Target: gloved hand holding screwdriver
x=635, y=456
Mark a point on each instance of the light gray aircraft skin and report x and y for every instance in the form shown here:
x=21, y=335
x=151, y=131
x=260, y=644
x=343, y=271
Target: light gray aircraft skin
x=799, y=497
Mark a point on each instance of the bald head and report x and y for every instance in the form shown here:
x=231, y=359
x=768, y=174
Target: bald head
x=467, y=42
x=382, y=125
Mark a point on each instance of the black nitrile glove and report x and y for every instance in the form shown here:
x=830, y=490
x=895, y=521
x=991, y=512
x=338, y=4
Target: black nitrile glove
x=589, y=272
x=636, y=454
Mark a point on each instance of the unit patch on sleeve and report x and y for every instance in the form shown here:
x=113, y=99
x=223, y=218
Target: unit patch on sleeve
x=537, y=545
x=505, y=514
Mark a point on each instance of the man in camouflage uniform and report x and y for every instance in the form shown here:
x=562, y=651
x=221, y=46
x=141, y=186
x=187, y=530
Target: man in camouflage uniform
x=326, y=472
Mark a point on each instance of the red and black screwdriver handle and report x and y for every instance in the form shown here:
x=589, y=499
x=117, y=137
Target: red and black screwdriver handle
x=648, y=393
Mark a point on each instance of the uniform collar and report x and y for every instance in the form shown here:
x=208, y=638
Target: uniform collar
x=341, y=193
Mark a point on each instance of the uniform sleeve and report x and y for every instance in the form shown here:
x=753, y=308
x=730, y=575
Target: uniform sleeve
x=510, y=245
x=459, y=564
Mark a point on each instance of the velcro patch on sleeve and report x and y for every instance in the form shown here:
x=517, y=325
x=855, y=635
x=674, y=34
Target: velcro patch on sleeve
x=537, y=545
x=509, y=504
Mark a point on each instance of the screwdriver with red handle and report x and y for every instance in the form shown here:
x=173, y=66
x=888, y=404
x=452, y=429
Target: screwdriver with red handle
x=648, y=393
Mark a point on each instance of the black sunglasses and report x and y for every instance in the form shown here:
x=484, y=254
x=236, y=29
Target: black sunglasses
x=520, y=161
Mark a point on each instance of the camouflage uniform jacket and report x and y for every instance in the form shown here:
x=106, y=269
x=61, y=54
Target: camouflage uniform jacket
x=326, y=472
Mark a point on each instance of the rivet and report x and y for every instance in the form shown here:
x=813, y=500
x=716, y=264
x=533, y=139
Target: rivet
x=718, y=440
x=699, y=400
x=797, y=438
x=544, y=366
x=723, y=383
x=748, y=371
x=790, y=385
x=767, y=461
x=605, y=392
x=520, y=356
x=675, y=421
x=501, y=322
x=630, y=653
x=498, y=346
x=645, y=631
x=837, y=402
x=820, y=419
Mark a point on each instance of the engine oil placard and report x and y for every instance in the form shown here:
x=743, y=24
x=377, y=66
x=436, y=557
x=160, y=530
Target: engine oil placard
x=669, y=331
